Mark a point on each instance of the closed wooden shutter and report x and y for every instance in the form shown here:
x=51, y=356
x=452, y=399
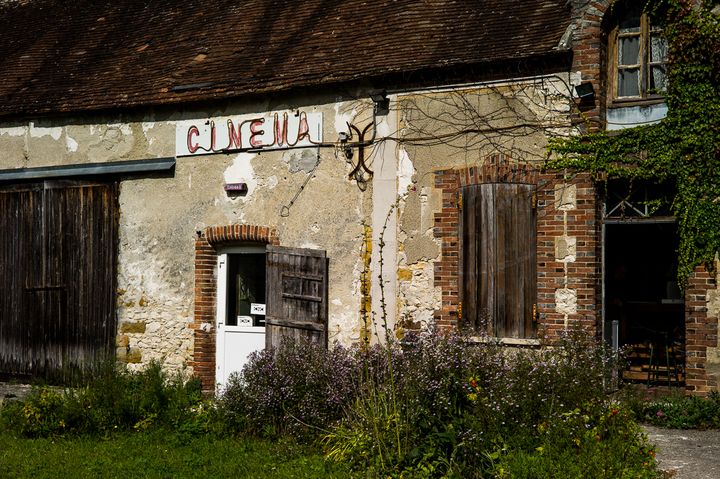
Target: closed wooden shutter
x=57, y=277
x=296, y=295
x=498, y=280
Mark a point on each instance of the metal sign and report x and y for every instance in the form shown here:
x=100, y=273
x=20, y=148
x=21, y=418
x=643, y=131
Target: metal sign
x=285, y=129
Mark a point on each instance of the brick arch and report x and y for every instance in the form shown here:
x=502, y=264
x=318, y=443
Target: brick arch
x=218, y=235
x=203, y=325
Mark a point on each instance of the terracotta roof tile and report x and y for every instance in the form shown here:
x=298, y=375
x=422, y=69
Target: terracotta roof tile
x=61, y=56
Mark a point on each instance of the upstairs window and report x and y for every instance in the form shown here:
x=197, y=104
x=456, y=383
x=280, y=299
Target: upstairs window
x=638, y=57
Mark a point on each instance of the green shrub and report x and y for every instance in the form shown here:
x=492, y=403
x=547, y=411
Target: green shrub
x=596, y=440
x=113, y=399
x=676, y=410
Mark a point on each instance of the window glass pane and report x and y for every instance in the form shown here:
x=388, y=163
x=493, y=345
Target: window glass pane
x=629, y=82
x=630, y=23
x=629, y=51
x=658, y=49
x=658, y=80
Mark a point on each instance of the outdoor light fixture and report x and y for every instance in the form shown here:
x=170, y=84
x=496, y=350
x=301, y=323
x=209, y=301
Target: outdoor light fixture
x=382, y=103
x=585, y=92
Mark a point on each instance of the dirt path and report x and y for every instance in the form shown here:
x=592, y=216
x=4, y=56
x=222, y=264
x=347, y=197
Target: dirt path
x=687, y=454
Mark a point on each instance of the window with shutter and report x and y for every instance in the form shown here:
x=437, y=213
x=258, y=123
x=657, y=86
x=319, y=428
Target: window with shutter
x=498, y=279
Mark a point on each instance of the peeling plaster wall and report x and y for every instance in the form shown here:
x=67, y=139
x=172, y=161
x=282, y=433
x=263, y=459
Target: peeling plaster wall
x=159, y=217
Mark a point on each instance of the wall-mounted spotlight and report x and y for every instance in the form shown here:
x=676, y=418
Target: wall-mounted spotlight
x=585, y=92
x=382, y=102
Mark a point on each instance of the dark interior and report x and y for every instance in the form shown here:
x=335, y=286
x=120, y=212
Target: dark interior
x=642, y=294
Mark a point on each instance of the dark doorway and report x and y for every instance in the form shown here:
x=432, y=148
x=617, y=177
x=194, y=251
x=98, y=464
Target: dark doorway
x=644, y=309
x=58, y=244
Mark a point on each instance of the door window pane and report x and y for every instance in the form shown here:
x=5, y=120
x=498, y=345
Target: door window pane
x=246, y=285
x=629, y=82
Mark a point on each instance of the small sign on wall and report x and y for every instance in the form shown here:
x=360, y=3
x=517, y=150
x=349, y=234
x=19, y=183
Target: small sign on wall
x=257, y=308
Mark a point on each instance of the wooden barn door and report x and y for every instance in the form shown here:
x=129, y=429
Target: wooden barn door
x=57, y=277
x=296, y=295
x=498, y=275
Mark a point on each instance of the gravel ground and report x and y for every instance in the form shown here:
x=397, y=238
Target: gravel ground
x=687, y=454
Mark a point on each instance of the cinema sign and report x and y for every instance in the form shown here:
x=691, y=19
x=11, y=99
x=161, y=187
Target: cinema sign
x=284, y=129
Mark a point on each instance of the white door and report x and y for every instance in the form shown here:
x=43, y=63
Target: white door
x=240, y=314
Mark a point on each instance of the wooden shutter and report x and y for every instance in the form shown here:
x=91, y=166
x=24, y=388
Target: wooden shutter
x=57, y=274
x=296, y=295
x=498, y=275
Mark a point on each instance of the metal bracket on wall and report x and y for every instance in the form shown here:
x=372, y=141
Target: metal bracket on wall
x=360, y=169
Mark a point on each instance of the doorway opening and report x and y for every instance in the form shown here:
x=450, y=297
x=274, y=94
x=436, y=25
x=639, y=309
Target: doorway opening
x=644, y=308
x=240, y=307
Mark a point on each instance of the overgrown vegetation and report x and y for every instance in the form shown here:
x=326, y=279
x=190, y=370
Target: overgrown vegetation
x=114, y=399
x=435, y=406
x=445, y=407
x=675, y=410
x=684, y=148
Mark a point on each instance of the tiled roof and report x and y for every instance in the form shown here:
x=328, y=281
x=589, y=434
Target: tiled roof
x=68, y=56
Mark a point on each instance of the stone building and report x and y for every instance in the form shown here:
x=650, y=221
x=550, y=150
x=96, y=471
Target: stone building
x=187, y=182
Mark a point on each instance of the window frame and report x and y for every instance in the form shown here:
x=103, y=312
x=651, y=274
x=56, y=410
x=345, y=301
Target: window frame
x=645, y=34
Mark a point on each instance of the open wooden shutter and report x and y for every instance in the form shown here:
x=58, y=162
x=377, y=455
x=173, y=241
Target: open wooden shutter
x=498, y=276
x=296, y=295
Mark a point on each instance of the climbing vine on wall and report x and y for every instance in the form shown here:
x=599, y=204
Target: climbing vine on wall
x=684, y=148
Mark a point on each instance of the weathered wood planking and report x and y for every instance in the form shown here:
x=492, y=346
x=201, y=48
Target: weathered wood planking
x=296, y=295
x=498, y=258
x=58, y=246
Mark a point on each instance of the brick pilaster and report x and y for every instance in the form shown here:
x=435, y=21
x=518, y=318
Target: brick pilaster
x=701, y=330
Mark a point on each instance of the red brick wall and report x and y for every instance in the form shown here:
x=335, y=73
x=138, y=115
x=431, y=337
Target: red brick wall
x=581, y=222
x=203, y=325
x=589, y=46
x=701, y=332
